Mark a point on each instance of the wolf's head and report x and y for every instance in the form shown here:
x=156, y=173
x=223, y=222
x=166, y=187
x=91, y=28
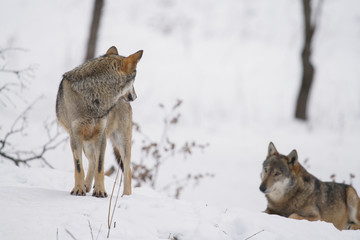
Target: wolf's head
x=127, y=66
x=278, y=173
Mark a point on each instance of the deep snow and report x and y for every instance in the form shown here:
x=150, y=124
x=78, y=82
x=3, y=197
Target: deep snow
x=236, y=65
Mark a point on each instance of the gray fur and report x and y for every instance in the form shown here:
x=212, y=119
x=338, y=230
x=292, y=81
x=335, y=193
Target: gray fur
x=293, y=192
x=92, y=104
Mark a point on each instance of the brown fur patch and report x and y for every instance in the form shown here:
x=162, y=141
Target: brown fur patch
x=130, y=62
x=88, y=132
x=296, y=168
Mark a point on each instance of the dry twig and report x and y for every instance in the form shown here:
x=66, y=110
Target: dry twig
x=161, y=151
x=70, y=234
x=7, y=89
x=91, y=231
x=26, y=156
x=254, y=234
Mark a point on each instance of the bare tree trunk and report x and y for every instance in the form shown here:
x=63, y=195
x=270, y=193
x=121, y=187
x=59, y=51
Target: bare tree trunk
x=308, y=69
x=90, y=53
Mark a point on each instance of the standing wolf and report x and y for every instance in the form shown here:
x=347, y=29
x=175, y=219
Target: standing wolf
x=293, y=192
x=93, y=104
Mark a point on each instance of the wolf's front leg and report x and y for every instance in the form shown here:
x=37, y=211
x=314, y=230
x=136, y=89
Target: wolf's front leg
x=76, y=147
x=99, y=188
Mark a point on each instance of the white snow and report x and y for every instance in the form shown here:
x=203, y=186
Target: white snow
x=32, y=207
x=236, y=66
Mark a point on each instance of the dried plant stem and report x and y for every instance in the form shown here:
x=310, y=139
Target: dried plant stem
x=160, y=151
x=112, y=194
x=254, y=234
x=70, y=234
x=97, y=236
x=91, y=231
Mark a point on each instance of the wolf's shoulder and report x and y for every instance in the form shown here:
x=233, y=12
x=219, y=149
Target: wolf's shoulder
x=95, y=68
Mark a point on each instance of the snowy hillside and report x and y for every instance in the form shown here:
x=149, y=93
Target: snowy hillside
x=236, y=66
x=36, y=206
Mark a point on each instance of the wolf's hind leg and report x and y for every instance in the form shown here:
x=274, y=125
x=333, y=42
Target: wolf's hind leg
x=118, y=158
x=89, y=150
x=122, y=144
x=126, y=155
x=99, y=187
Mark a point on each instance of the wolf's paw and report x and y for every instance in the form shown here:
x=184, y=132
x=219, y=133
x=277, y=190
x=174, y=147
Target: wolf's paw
x=352, y=226
x=88, y=187
x=99, y=192
x=78, y=190
x=126, y=192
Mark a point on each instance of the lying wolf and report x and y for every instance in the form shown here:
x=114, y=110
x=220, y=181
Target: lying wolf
x=294, y=193
x=93, y=105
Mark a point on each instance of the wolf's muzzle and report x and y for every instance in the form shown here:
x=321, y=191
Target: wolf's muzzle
x=130, y=97
x=262, y=188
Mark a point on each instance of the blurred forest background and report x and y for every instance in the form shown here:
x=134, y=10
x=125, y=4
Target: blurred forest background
x=217, y=82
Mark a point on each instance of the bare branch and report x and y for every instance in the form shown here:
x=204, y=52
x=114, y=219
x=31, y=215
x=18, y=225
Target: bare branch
x=6, y=91
x=6, y=86
x=317, y=14
x=158, y=152
x=22, y=76
x=4, y=50
x=178, y=103
x=180, y=183
x=29, y=71
x=26, y=156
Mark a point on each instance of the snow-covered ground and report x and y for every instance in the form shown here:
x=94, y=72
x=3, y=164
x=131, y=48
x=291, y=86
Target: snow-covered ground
x=236, y=66
x=36, y=204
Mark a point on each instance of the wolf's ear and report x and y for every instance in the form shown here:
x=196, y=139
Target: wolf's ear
x=293, y=157
x=112, y=51
x=272, y=150
x=130, y=62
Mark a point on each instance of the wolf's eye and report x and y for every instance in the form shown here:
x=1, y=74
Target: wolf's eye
x=277, y=174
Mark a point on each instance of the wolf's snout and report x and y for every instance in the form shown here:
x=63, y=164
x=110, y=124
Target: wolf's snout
x=262, y=188
x=130, y=97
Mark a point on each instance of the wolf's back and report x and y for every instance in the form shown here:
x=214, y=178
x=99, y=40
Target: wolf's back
x=98, y=83
x=60, y=111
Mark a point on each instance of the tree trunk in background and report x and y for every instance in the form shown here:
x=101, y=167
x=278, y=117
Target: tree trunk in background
x=308, y=69
x=91, y=47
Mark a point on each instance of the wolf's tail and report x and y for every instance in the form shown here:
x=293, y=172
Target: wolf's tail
x=118, y=158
